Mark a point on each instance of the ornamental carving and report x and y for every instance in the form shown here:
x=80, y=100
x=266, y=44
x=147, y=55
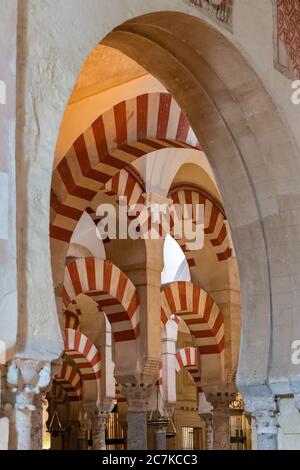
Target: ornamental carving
x=220, y=10
x=287, y=34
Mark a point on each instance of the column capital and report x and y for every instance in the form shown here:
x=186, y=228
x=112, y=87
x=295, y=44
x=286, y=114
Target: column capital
x=220, y=401
x=264, y=410
x=100, y=409
x=137, y=396
x=27, y=378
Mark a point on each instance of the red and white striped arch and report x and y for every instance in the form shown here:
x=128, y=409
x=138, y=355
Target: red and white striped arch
x=214, y=221
x=199, y=311
x=188, y=358
x=126, y=185
x=79, y=349
x=115, y=139
x=71, y=382
x=71, y=320
x=111, y=289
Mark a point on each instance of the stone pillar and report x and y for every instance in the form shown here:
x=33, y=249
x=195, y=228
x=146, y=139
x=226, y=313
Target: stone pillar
x=264, y=416
x=137, y=400
x=168, y=357
x=208, y=419
x=205, y=412
x=37, y=423
x=26, y=378
x=221, y=420
x=98, y=430
x=84, y=426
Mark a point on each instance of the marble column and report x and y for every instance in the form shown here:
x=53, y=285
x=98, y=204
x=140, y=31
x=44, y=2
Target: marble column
x=84, y=426
x=37, y=423
x=221, y=420
x=264, y=413
x=137, y=400
x=98, y=430
x=26, y=379
x=208, y=419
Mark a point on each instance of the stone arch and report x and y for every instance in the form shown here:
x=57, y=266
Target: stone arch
x=205, y=322
x=71, y=320
x=219, y=105
x=110, y=287
x=84, y=354
x=71, y=382
x=124, y=184
x=214, y=218
x=131, y=128
x=115, y=295
x=219, y=97
x=188, y=358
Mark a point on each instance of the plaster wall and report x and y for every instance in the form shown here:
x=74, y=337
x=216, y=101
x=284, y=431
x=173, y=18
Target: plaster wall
x=8, y=272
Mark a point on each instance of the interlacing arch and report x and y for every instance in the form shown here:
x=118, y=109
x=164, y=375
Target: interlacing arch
x=214, y=220
x=115, y=139
x=128, y=185
x=110, y=288
x=199, y=311
x=188, y=358
x=131, y=186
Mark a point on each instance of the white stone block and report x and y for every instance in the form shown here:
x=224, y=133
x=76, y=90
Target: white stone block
x=4, y=430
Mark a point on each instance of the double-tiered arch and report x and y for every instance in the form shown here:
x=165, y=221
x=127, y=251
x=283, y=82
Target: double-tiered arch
x=205, y=322
x=115, y=295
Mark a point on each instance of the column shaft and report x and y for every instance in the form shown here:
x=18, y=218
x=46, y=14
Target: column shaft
x=137, y=430
x=98, y=432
